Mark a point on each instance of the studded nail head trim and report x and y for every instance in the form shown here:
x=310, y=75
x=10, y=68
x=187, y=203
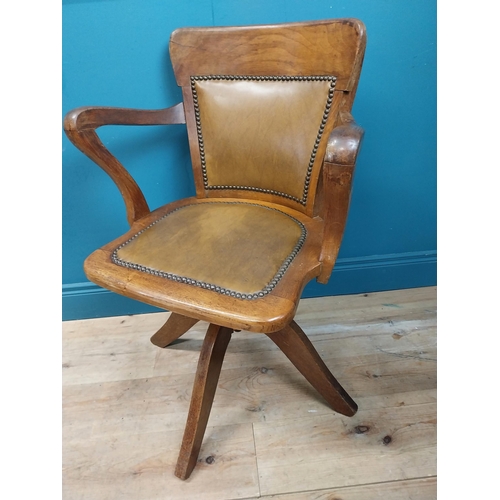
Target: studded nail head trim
x=282, y=78
x=211, y=286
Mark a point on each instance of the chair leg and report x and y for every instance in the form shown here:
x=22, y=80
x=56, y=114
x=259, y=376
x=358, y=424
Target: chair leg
x=300, y=351
x=205, y=384
x=175, y=326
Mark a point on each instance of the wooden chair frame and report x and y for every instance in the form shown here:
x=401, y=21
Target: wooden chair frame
x=325, y=214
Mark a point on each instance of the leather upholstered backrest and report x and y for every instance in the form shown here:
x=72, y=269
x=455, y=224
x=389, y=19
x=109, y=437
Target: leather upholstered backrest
x=259, y=134
x=260, y=102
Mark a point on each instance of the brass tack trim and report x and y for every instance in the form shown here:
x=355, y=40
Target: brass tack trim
x=211, y=286
x=283, y=78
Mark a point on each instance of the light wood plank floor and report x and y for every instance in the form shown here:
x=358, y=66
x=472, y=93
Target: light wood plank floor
x=270, y=435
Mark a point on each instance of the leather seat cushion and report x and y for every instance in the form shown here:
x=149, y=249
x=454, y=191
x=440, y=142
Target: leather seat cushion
x=235, y=248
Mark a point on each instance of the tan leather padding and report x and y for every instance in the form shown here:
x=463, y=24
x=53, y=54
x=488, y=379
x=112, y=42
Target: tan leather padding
x=260, y=134
x=224, y=246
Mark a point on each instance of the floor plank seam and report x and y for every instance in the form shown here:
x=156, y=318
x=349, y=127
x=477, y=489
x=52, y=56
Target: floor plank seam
x=349, y=486
x=400, y=355
x=120, y=433
x=256, y=461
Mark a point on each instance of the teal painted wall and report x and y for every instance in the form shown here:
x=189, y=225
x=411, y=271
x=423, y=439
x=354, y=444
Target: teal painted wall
x=115, y=53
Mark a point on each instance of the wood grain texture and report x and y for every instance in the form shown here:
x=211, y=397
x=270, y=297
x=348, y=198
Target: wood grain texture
x=337, y=182
x=136, y=466
x=325, y=47
x=326, y=451
x=176, y=326
x=339, y=164
x=344, y=141
x=92, y=117
x=309, y=50
x=411, y=489
x=125, y=407
x=299, y=350
x=205, y=383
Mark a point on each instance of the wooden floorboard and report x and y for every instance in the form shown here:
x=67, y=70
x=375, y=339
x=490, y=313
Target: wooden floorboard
x=410, y=489
x=270, y=434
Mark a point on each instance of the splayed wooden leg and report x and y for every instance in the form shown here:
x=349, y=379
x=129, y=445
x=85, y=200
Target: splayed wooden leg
x=300, y=351
x=176, y=326
x=205, y=384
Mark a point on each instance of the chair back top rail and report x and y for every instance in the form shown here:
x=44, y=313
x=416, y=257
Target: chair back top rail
x=328, y=47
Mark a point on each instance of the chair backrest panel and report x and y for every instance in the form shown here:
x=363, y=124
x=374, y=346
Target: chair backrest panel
x=330, y=47
x=261, y=135
x=260, y=102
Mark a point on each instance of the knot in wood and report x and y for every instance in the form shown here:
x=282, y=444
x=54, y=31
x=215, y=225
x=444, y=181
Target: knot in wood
x=343, y=178
x=361, y=429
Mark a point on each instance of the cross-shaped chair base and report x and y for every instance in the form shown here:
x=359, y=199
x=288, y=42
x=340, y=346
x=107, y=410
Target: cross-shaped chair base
x=291, y=340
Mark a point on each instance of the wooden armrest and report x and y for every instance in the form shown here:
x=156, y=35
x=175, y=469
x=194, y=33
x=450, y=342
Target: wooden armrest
x=338, y=170
x=344, y=142
x=80, y=125
x=92, y=117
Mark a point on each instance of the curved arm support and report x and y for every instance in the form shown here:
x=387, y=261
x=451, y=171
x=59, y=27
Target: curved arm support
x=80, y=125
x=338, y=171
x=92, y=117
x=344, y=142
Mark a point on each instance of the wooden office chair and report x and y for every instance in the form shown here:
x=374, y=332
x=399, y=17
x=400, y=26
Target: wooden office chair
x=273, y=147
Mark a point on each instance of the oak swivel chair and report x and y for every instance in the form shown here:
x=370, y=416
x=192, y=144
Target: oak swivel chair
x=273, y=148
